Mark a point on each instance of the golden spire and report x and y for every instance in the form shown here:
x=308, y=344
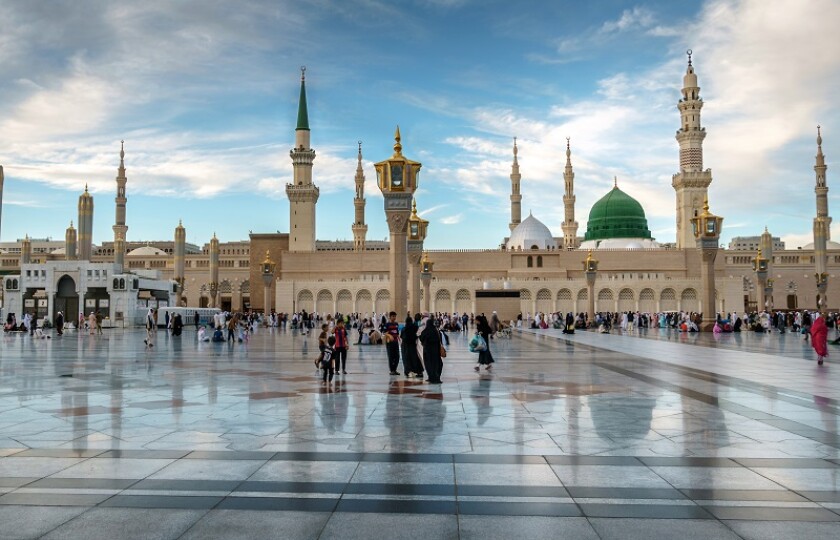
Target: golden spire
x=413, y=208
x=397, y=144
x=267, y=257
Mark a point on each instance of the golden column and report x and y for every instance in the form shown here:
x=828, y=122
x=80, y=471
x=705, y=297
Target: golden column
x=397, y=179
x=417, y=227
x=760, y=266
x=426, y=268
x=85, y=225
x=590, y=268
x=214, y=270
x=707, y=233
x=180, y=254
x=70, y=243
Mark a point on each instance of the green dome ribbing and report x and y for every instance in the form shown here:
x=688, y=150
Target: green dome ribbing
x=617, y=215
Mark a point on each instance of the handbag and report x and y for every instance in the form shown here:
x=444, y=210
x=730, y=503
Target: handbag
x=442, y=351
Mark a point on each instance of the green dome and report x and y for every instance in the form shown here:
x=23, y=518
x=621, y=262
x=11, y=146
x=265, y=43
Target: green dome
x=616, y=215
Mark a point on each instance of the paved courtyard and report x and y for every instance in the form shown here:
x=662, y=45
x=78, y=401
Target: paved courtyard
x=648, y=436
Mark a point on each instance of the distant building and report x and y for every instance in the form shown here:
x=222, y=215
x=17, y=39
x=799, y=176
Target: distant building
x=752, y=243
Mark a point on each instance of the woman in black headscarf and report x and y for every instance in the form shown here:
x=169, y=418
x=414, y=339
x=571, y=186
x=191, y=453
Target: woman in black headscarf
x=483, y=329
x=410, y=357
x=430, y=338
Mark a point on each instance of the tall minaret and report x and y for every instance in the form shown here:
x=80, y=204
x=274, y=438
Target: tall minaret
x=214, y=270
x=70, y=243
x=120, y=228
x=302, y=193
x=85, y=225
x=26, y=251
x=822, y=223
x=692, y=182
x=359, y=226
x=515, y=197
x=570, y=226
x=180, y=252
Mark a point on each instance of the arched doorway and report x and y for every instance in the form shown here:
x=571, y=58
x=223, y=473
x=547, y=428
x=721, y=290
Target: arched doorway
x=67, y=299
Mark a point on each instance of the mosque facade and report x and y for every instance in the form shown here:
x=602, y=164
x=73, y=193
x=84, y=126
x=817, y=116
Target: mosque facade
x=635, y=273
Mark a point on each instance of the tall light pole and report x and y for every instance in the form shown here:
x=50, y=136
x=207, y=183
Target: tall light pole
x=760, y=265
x=268, y=267
x=707, y=234
x=590, y=268
x=426, y=268
x=417, y=227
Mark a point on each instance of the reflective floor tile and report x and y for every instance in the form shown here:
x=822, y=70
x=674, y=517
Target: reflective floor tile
x=208, y=469
x=367, y=526
x=519, y=475
x=253, y=524
x=114, y=468
x=404, y=473
x=19, y=522
x=661, y=529
x=714, y=478
x=127, y=524
x=784, y=530
x=507, y=527
x=305, y=471
x=609, y=476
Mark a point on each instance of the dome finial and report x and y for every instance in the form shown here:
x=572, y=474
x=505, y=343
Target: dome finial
x=688, y=52
x=122, y=150
x=302, y=73
x=398, y=143
x=568, y=149
x=615, y=182
x=819, y=137
x=515, y=148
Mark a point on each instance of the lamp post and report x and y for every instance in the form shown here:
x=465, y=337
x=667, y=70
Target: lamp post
x=707, y=233
x=426, y=268
x=397, y=180
x=768, y=295
x=268, y=267
x=590, y=268
x=822, y=286
x=417, y=227
x=760, y=267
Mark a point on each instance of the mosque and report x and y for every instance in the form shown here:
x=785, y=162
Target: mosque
x=531, y=271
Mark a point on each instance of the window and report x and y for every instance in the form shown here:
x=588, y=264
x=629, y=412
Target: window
x=539, y=261
x=530, y=261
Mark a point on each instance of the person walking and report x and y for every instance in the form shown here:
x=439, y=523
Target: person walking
x=430, y=338
x=342, y=343
x=196, y=319
x=819, y=338
x=408, y=341
x=59, y=323
x=98, y=322
x=484, y=357
x=391, y=332
x=92, y=323
x=151, y=327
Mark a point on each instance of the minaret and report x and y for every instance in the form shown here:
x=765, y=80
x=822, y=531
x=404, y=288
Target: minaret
x=359, y=226
x=70, y=243
x=570, y=226
x=822, y=188
x=26, y=251
x=180, y=252
x=822, y=224
x=515, y=196
x=120, y=228
x=214, y=270
x=302, y=193
x=85, y=225
x=692, y=182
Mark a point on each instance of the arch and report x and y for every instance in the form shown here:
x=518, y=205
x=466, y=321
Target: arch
x=66, y=297
x=539, y=261
x=688, y=300
x=605, y=301
x=463, y=301
x=525, y=304
x=324, y=303
x=647, y=301
x=245, y=288
x=443, y=300
x=565, y=304
x=668, y=300
x=225, y=287
x=364, y=302
x=383, y=301
x=544, y=303
x=530, y=261
x=116, y=284
x=305, y=301
x=583, y=295
x=626, y=300
x=344, y=302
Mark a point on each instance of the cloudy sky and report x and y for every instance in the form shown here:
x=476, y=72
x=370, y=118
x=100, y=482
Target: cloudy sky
x=205, y=95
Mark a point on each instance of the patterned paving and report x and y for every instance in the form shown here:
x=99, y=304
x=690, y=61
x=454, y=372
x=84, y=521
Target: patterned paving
x=582, y=436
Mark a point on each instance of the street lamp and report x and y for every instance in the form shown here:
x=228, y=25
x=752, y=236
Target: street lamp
x=417, y=227
x=760, y=266
x=822, y=285
x=707, y=228
x=268, y=267
x=426, y=268
x=590, y=268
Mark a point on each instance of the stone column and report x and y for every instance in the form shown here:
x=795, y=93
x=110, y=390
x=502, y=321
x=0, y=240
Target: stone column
x=398, y=209
x=590, y=284
x=415, y=253
x=707, y=277
x=426, y=278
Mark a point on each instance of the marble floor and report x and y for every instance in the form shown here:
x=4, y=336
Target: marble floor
x=650, y=435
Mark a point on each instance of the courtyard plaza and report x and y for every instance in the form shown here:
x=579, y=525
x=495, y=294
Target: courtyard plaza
x=652, y=435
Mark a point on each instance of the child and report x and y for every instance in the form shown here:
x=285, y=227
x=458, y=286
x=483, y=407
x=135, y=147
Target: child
x=322, y=344
x=202, y=334
x=327, y=363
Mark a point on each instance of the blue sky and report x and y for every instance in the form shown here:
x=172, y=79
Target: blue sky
x=205, y=95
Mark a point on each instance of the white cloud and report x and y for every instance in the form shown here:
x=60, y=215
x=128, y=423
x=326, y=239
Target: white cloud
x=638, y=17
x=452, y=220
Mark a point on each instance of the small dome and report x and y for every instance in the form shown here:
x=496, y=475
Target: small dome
x=59, y=251
x=146, y=251
x=531, y=234
x=617, y=215
x=828, y=245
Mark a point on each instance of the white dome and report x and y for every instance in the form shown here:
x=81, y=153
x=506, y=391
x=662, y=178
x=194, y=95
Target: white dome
x=828, y=245
x=621, y=243
x=146, y=251
x=59, y=251
x=531, y=234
